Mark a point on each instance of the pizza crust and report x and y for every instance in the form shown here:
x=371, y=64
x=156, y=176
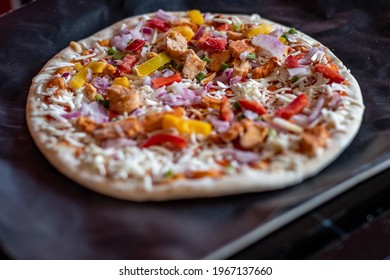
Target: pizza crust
x=62, y=157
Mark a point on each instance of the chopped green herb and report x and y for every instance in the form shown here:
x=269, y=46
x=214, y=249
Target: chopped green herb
x=224, y=66
x=112, y=51
x=292, y=31
x=105, y=103
x=206, y=59
x=294, y=79
x=285, y=37
x=236, y=106
x=200, y=76
x=169, y=173
x=259, y=118
x=178, y=67
x=272, y=133
x=240, y=116
x=230, y=167
x=237, y=27
x=119, y=55
x=251, y=55
x=116, y=55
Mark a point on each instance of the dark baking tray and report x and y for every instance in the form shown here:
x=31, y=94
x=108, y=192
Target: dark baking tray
x=44, y=215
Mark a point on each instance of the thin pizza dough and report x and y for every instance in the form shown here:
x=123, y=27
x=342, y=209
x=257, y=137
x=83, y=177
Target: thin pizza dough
x=175, y=105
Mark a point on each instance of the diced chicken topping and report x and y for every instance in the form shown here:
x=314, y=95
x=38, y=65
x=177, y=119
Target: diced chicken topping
x=240, y=46
x=192, y=65
x=123, y=99
x=128, y=128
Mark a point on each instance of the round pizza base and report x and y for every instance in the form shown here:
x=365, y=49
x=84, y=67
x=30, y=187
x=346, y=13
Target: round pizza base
x=62, y=157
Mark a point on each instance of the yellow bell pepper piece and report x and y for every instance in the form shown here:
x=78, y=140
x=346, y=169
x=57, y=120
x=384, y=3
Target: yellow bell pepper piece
x=186, y=126
x=97, y=66
x=185, y=31
x=122, y=81
x=78, y=66
x=263, y=28
x=152, y=64
x=195, y=17
x=79, y=79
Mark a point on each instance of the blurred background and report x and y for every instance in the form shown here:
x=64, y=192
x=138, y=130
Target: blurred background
x=9, y=5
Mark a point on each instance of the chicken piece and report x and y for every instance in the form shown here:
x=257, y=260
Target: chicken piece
x=196, y=174
x=232, y=133
x=76, y=47
x=122, y=99
x=265, y=70
x=153, y=122
x=241, y=68
x=63, y=70
x=109, y=69
x=58, y=82
x=90, y=91
x=86, y=124
x=184, y=22
x=128, y=128
x=192, y=65
x=217, y=59
x=240, y=46
x=313, y=139
x=235, y=35
x=175, y=44
x=254, y=135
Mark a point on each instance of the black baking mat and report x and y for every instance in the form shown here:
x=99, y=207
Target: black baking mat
x=44, y=215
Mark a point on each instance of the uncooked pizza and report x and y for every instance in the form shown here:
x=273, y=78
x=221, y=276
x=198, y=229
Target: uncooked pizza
x=174, y=105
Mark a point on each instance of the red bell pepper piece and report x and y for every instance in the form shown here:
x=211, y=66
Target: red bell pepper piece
x=213, y=44
x=292, y=62
x=223, y=27
x=225, y=110
x=166, y=81
x=158, y=23
x=158, y=139
x=294, y=107
x=253, y=106
x=136, y=45
x=329, y=73
x=127, y=63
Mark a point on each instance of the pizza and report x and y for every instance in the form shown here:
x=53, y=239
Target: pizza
x=173, y=105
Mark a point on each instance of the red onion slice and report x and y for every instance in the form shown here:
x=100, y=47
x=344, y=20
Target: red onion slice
x=147, y=30
x=95, y=111
x=120, y=42
x=300, y=71
x=306, y=59
x=71, y=115
x=315, y=113
x=270, y=44
x=199, y=33
x=243, y=156
x=161, y=14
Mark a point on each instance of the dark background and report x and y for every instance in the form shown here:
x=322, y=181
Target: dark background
x=44, y=215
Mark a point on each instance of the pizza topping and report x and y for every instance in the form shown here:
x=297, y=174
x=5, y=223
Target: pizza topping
x=313, y=139
x=158, y=23
x=294, y=107
x=128, y=128
x=253, y=136
x=329, y=72
x=270, y=44
x=172, y=141
x=122, y=99
x=192, y=65
x=211, y=94
x=240, y=46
